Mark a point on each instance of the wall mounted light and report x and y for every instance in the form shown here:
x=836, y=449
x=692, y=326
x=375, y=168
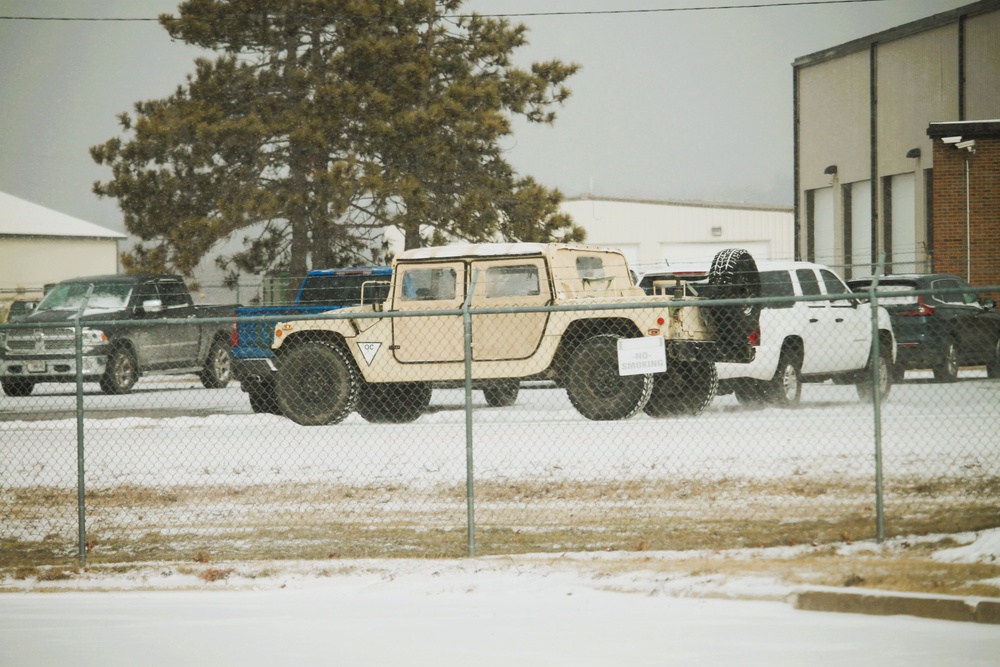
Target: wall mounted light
x=913, y=152
x=832, y=170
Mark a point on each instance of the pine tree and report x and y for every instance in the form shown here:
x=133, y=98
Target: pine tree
x=323, y=122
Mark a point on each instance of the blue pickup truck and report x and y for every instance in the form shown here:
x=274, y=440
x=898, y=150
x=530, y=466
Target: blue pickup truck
x=321, y=290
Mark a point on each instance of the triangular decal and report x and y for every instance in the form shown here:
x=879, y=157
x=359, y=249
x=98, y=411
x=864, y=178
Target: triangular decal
x=368, y=351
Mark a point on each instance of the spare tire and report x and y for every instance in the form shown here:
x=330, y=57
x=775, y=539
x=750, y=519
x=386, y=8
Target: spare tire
x=734, y=275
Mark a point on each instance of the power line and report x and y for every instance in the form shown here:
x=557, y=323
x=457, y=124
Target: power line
x=597, y=12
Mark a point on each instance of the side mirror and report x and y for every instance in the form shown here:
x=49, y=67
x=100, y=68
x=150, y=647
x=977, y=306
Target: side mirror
x=150, y=306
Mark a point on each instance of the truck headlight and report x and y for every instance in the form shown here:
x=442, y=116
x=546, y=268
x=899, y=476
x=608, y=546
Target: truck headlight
x=93, y=337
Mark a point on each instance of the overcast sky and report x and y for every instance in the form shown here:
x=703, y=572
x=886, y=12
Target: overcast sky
x=690, y=105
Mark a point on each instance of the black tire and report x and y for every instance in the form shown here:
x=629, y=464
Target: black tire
x=993, y=365
x=596, y=389
x=16, y=387
x=263, y=399
x=317, y=383
x=864, y=385
x=785, y=388
x=947, y=369
x=733, y=275
x=218, y=366
x=686, y=388
x=501, y=393
x=751, y=393
x=121, y=373
x=394, y=402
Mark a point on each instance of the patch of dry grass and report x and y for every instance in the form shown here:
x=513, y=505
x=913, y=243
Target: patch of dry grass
x=294, y=521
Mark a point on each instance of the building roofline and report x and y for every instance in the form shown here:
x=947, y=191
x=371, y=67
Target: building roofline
x=898, y=32
x=964, y=128
x=675, y=202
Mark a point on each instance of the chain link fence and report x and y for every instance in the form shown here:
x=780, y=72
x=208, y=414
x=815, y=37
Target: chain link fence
x=809, y=443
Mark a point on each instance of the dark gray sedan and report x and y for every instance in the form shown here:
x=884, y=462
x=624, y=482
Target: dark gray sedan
x=940, y=323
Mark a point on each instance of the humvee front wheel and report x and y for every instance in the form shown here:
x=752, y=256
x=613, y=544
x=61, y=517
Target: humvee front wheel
x=316, y=384
x=596, y=389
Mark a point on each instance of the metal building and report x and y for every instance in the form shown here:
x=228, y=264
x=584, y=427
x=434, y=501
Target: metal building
x=653, y=233
x=864, y=157
x=39, y=246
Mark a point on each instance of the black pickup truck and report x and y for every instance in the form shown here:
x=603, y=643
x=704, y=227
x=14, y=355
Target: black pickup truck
x=130, y=325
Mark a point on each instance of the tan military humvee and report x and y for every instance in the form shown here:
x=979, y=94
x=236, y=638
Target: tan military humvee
x=382, y=359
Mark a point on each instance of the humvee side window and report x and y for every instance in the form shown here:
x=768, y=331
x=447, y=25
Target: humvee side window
x=429, y=284
x=511, y=281
x=589, y=267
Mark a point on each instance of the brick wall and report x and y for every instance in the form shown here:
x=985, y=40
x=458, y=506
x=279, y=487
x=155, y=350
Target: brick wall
x=951, y=251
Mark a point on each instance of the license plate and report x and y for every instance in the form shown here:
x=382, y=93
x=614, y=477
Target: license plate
x=36, y=366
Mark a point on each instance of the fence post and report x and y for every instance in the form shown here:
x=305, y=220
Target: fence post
x=469, y=485
x=877, y=402
x=81, y=498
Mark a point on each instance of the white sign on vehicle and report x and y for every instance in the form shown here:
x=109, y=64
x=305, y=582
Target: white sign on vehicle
x=368, y=350
x=637, y=356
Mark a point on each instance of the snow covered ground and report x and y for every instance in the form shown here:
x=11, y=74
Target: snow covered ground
x=592, y=608
x=523, y=610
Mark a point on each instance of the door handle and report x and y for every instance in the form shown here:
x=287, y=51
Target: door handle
x=839, y=319
x=813, y=320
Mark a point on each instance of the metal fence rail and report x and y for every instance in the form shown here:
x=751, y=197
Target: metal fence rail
x=176, y=471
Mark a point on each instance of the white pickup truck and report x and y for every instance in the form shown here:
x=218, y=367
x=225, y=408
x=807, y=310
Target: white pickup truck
x=800, y=340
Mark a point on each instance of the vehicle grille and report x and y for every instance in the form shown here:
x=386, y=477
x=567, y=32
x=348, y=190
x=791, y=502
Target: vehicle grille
x=42, y=341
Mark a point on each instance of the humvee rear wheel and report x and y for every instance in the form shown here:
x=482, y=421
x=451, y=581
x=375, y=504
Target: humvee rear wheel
x=596, y=389
x=394, y=402
x=686, y=388
x=316, y=384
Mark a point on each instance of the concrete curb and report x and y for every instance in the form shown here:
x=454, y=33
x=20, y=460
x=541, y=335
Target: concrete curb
x=974, y=610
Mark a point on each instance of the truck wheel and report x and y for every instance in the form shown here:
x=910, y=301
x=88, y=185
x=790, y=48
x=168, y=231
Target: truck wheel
x=733, y=275
x=993, y=365
x=947, y=370
x=122, y=372
x=751, y=393
x=218, y=367
x=394, y=402
x=501, y=393
x=262, y=398
x=685, y=389
x=864, y=385
x=17, y=387
x=317, y=383
x=785, y=388
x=596, y=389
